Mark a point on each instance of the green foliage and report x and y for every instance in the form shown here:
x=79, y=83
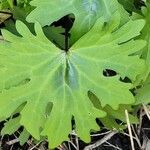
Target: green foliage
x=128, y=4
x=146, y=31
x=110, y=120
x=132, y=5
x=4, y=4
x=50, y=79
x=143, y=94
x=24, y=136
x=8, y=4
x=86, y=13
x=11, y=126
x=63, y=79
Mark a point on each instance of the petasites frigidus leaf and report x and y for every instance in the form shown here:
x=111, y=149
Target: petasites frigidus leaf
x=53, y=84
x=86, y=12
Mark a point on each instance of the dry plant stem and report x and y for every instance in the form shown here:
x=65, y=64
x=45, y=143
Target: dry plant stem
x=76, y=145
x=11, y=147
x=30, y=143
x=63, y=147
x=93, y=135
x=35, y=146
x=146, y=129
x=73, y=145
x=100, y=142
x=140, y=123
x=129, y=135
x=60, y=147
x=146, y=111
x=69, y=147
x=111, y=145
x=42, y=146
x=144, y=145
x=12, y=141
x=129, y=129
x=136, y=137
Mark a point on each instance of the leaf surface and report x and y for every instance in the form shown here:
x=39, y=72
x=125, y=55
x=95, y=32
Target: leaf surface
x=128, y=4
x=11, y=126
x=23, y=137
x=36, y=72
x=86, y=13
x=145, y=33
x=143, y=94
x=109, y=121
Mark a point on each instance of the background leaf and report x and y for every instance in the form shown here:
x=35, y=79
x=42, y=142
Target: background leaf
x=24, y=136
x=86, y=13
x=11, y=126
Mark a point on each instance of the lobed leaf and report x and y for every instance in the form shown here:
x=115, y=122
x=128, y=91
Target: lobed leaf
x=86, y=13
x=53, y=84
x=128, y=4
x=24, y=136
x=109, y=121
x=11, y=126
x=143, y=94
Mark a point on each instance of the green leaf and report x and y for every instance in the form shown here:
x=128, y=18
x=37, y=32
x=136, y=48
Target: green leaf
x=128, y=4
x=87, y=9
x=11, y=126
x=110, y=120
x=10, y=2
x=23, y=3
x=86, y=13
x=35, y=71
x=145, y=34
x=24, y=136
x=143, y=94
x=55, y=34
x=4, y=4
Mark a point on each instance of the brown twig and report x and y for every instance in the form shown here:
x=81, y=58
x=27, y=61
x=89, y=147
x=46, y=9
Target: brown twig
x=12, y=141
x=111, y=145
x=100, y=142
x=136, y=137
